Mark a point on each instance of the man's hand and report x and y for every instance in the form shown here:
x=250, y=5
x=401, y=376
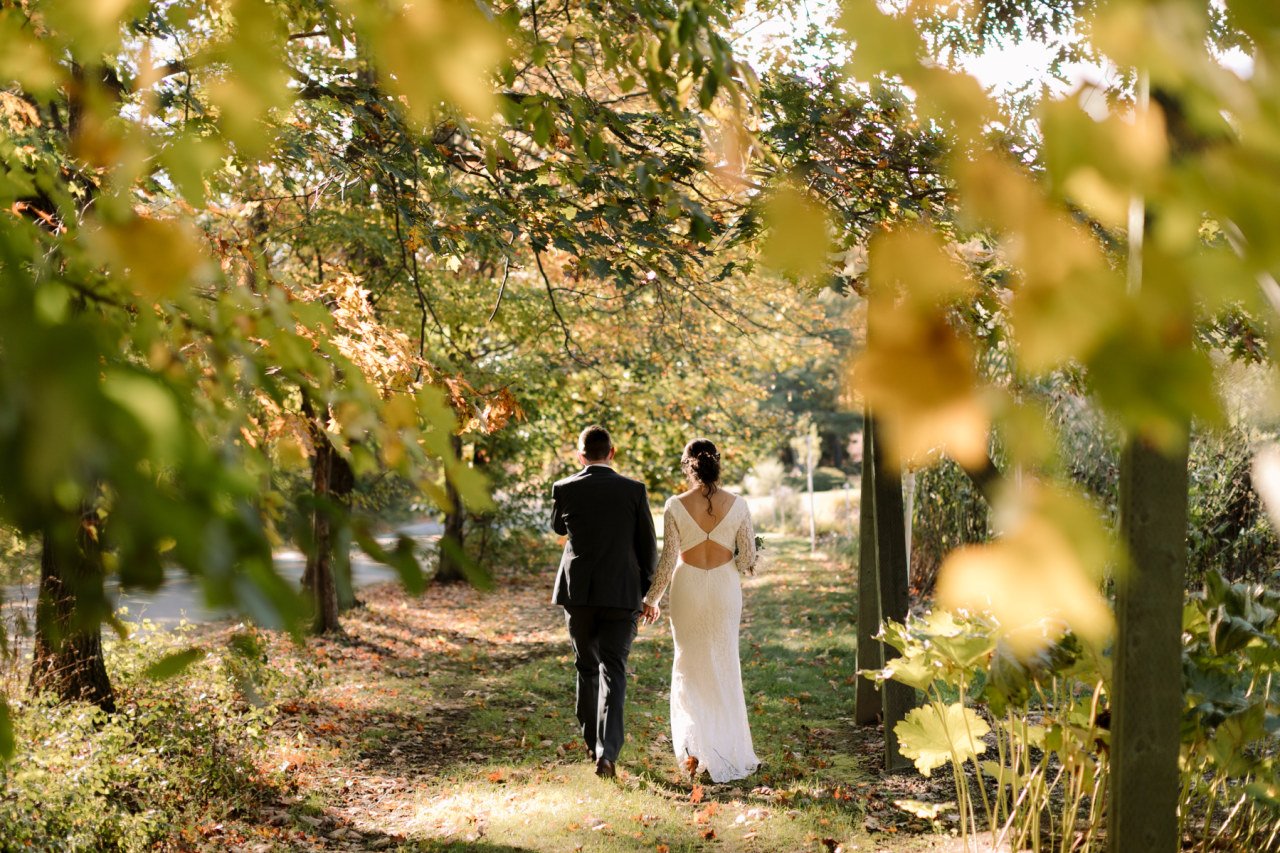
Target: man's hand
x=650, y=613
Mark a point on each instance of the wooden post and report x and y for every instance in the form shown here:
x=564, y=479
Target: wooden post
x=808, y=467
x=867, y=703
x=1146, y=710
x=891, y=571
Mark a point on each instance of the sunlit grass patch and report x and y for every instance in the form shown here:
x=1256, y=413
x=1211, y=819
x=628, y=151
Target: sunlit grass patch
x=445, y=722
x=568, y=808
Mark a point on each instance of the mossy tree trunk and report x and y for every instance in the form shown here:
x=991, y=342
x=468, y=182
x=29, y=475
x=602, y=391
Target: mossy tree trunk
x=68, y=659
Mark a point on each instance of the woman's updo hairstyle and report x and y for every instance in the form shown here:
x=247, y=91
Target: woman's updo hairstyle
x=701, y=464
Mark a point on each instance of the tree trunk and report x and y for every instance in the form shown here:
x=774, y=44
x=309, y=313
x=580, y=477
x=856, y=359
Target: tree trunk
x=891, y=571
x=68, y=658
x=867, y=702
x=1146, y=711
x=452, y=540
x=318, y=578
x=342, y=482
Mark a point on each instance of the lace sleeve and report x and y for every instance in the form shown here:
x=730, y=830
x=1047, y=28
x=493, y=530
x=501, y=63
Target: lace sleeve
x=666, y=562
x=745, y=556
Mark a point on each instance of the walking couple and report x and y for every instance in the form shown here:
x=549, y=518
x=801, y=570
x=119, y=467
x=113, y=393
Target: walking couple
x=611, y=579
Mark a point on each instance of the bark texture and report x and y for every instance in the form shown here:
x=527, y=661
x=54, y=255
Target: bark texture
x=891, y=572
x=67, y=659
x=318, y=576
x=867, y=703
x=453, y=539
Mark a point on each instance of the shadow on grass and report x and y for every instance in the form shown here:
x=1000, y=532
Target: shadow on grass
x=470, y=699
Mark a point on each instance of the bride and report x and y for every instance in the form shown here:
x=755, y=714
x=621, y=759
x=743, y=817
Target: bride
x=707, y=541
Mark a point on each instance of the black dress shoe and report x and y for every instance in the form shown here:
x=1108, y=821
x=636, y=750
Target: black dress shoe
x=605, y=769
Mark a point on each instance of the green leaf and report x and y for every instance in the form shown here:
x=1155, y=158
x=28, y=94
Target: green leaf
x=171, y=665
x=472, y=485
x=403, y=558
x=471, y=570
x=931, y=736
x=914, y=671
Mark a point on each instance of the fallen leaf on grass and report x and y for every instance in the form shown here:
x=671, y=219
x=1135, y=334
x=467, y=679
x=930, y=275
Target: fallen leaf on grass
x=496, y=777
x=695, y=796
x=709, y=833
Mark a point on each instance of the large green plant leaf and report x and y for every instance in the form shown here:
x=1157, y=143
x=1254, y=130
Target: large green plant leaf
x=931, y=737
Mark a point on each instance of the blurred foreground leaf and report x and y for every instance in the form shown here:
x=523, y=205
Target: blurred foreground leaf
x=174, y=664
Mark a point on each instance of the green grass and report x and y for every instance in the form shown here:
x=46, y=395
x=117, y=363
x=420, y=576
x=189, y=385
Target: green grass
x=518, y=781
x=445, y=722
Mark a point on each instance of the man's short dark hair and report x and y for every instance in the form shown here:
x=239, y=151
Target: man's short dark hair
x=595, y=444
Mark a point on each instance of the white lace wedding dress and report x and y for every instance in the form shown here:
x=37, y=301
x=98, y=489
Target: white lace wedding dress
x=708, y=709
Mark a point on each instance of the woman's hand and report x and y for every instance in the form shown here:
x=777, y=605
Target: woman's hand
x=650, y=614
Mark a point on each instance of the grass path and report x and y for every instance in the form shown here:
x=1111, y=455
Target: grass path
x=445, y=722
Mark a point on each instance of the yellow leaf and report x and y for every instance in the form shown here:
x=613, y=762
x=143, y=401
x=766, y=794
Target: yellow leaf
x=257, y=80
x=1068, y=297
x=19, y=113
x=25, y=58
x=400, y=412
x=1105, y=203
x=157, y=256
x=917, y=374
x=1041, y=577
x=798, y=233
x=290, y=454
x=914, y=260
x=932, y=736
x=886, y=44
x=89, y=28
x=434, y=52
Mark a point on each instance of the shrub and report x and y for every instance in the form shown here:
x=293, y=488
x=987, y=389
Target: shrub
x=178, y=753
x=1227, y=530
x=949, y=512
x=1047, y=719
x=827, y=478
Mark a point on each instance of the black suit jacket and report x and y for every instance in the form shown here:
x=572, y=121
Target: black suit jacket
x=612, y=550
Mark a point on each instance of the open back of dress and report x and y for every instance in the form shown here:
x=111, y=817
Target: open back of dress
x=708, y=549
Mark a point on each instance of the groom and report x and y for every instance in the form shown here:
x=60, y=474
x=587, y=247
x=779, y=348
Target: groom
x=606, y=570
